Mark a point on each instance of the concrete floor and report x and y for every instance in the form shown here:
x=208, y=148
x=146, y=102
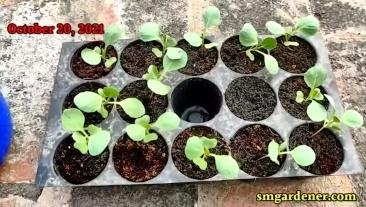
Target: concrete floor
x=28, y=64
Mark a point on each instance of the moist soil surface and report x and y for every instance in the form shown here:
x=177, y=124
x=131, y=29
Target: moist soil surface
x=90, y=118
x=77, y=168
x=294, y=59
x=234, y=57
x=155, y=105
x=89, y=72
x=138, y=56
x=200, y=59
x=187, y=167
x=328, y=149
x=138, y=161
x=287, y=96
x=250, y=98
x=250, y=144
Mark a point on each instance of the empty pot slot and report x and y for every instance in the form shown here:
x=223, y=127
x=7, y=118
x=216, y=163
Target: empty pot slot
x=196, y=100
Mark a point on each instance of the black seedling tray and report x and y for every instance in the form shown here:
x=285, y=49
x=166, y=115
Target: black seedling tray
x=225, y=122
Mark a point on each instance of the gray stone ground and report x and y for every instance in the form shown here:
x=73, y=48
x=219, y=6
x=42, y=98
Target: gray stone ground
x=27, y=67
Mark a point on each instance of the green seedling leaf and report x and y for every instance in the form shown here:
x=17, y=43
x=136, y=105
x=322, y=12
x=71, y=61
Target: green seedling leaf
x=158, y=53
x=315, y=76
x=170, y=41
x=136, y=132
x=92, y=129
x=175, y=64
x=330, y=100
x=209, y=143
x=101, y=92
x=103, y=112
x=111, y=92
x=248, y=36
x=290, y=43
x=273, y=151
x=88, y=101
x=167, y=121
x=110, y=61
x=112, y=34
x=308, y=25
x=98, y=142
x=271, y=64
x=282, y=147
x=211, y=45
x=153, y=73
x=158, y=87
x=269, y=43
x=193, y=39
x=82, y=147
x=211, y=17
x=78, y=137
x=317, y=94
x=149, y=32
x=194, y=148
x=150, y=137
x=72, y=120
x=174, y=53
x=90, y=56
x=227, y=166
x=316, y=112
x=352, y=119
x=249, y=54
x=275, y=28
x=143, y=121
x=303, y=155
x=200, y=162
x=98, y=50
x=133, y=107
x=299, y=96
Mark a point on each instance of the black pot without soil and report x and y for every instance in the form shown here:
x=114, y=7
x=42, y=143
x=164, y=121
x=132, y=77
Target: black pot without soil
x=89, y=72
x=90, y=118
x=187, y=167
x=233, y=55
x=77, y=168
x=287, y=96
x=250, y=98
x=196, y=100
x=155, y=104
x=250, y=144
x=138, y=56
x=295, y=59
x=200, y=59
x=138, y=161
x=328, y=149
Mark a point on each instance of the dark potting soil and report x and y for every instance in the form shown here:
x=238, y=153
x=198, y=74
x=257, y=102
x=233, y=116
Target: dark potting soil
x=90, y=118
x=295, y=59
x=250, y=144
x=200, y=59
x=234, y=57
x=138, y=56
x=250, y=98
x=187, y=167
x=88, y=72
x=155, y=104
x=138, y=161
x=77, y=168
x=287, y=96
x=328, y=149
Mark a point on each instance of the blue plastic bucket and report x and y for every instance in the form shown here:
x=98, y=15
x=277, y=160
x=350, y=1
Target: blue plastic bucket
x=5, y=128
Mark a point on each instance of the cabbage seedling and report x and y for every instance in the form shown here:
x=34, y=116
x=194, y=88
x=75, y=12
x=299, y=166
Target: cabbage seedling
x=90, y=102
x=197, y=149
x=303, y=155
x=94, y=56
x=333, y=120
x=211, y=18
x=249, y=38
x=151, y=32
x=174, y=59
x=140, y=131
x=92, y=140
x=307, y=26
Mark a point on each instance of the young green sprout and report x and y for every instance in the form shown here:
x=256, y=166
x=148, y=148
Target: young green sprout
x=174, y=59
x=90, y=102
x=333, y=120
x=151, y=32
x=140, y=131
x=306, y=26
x=92, y=139
x=94, y=56
x=249, y=38
x=303, y=155
x=211, y=18
x=197, y=150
